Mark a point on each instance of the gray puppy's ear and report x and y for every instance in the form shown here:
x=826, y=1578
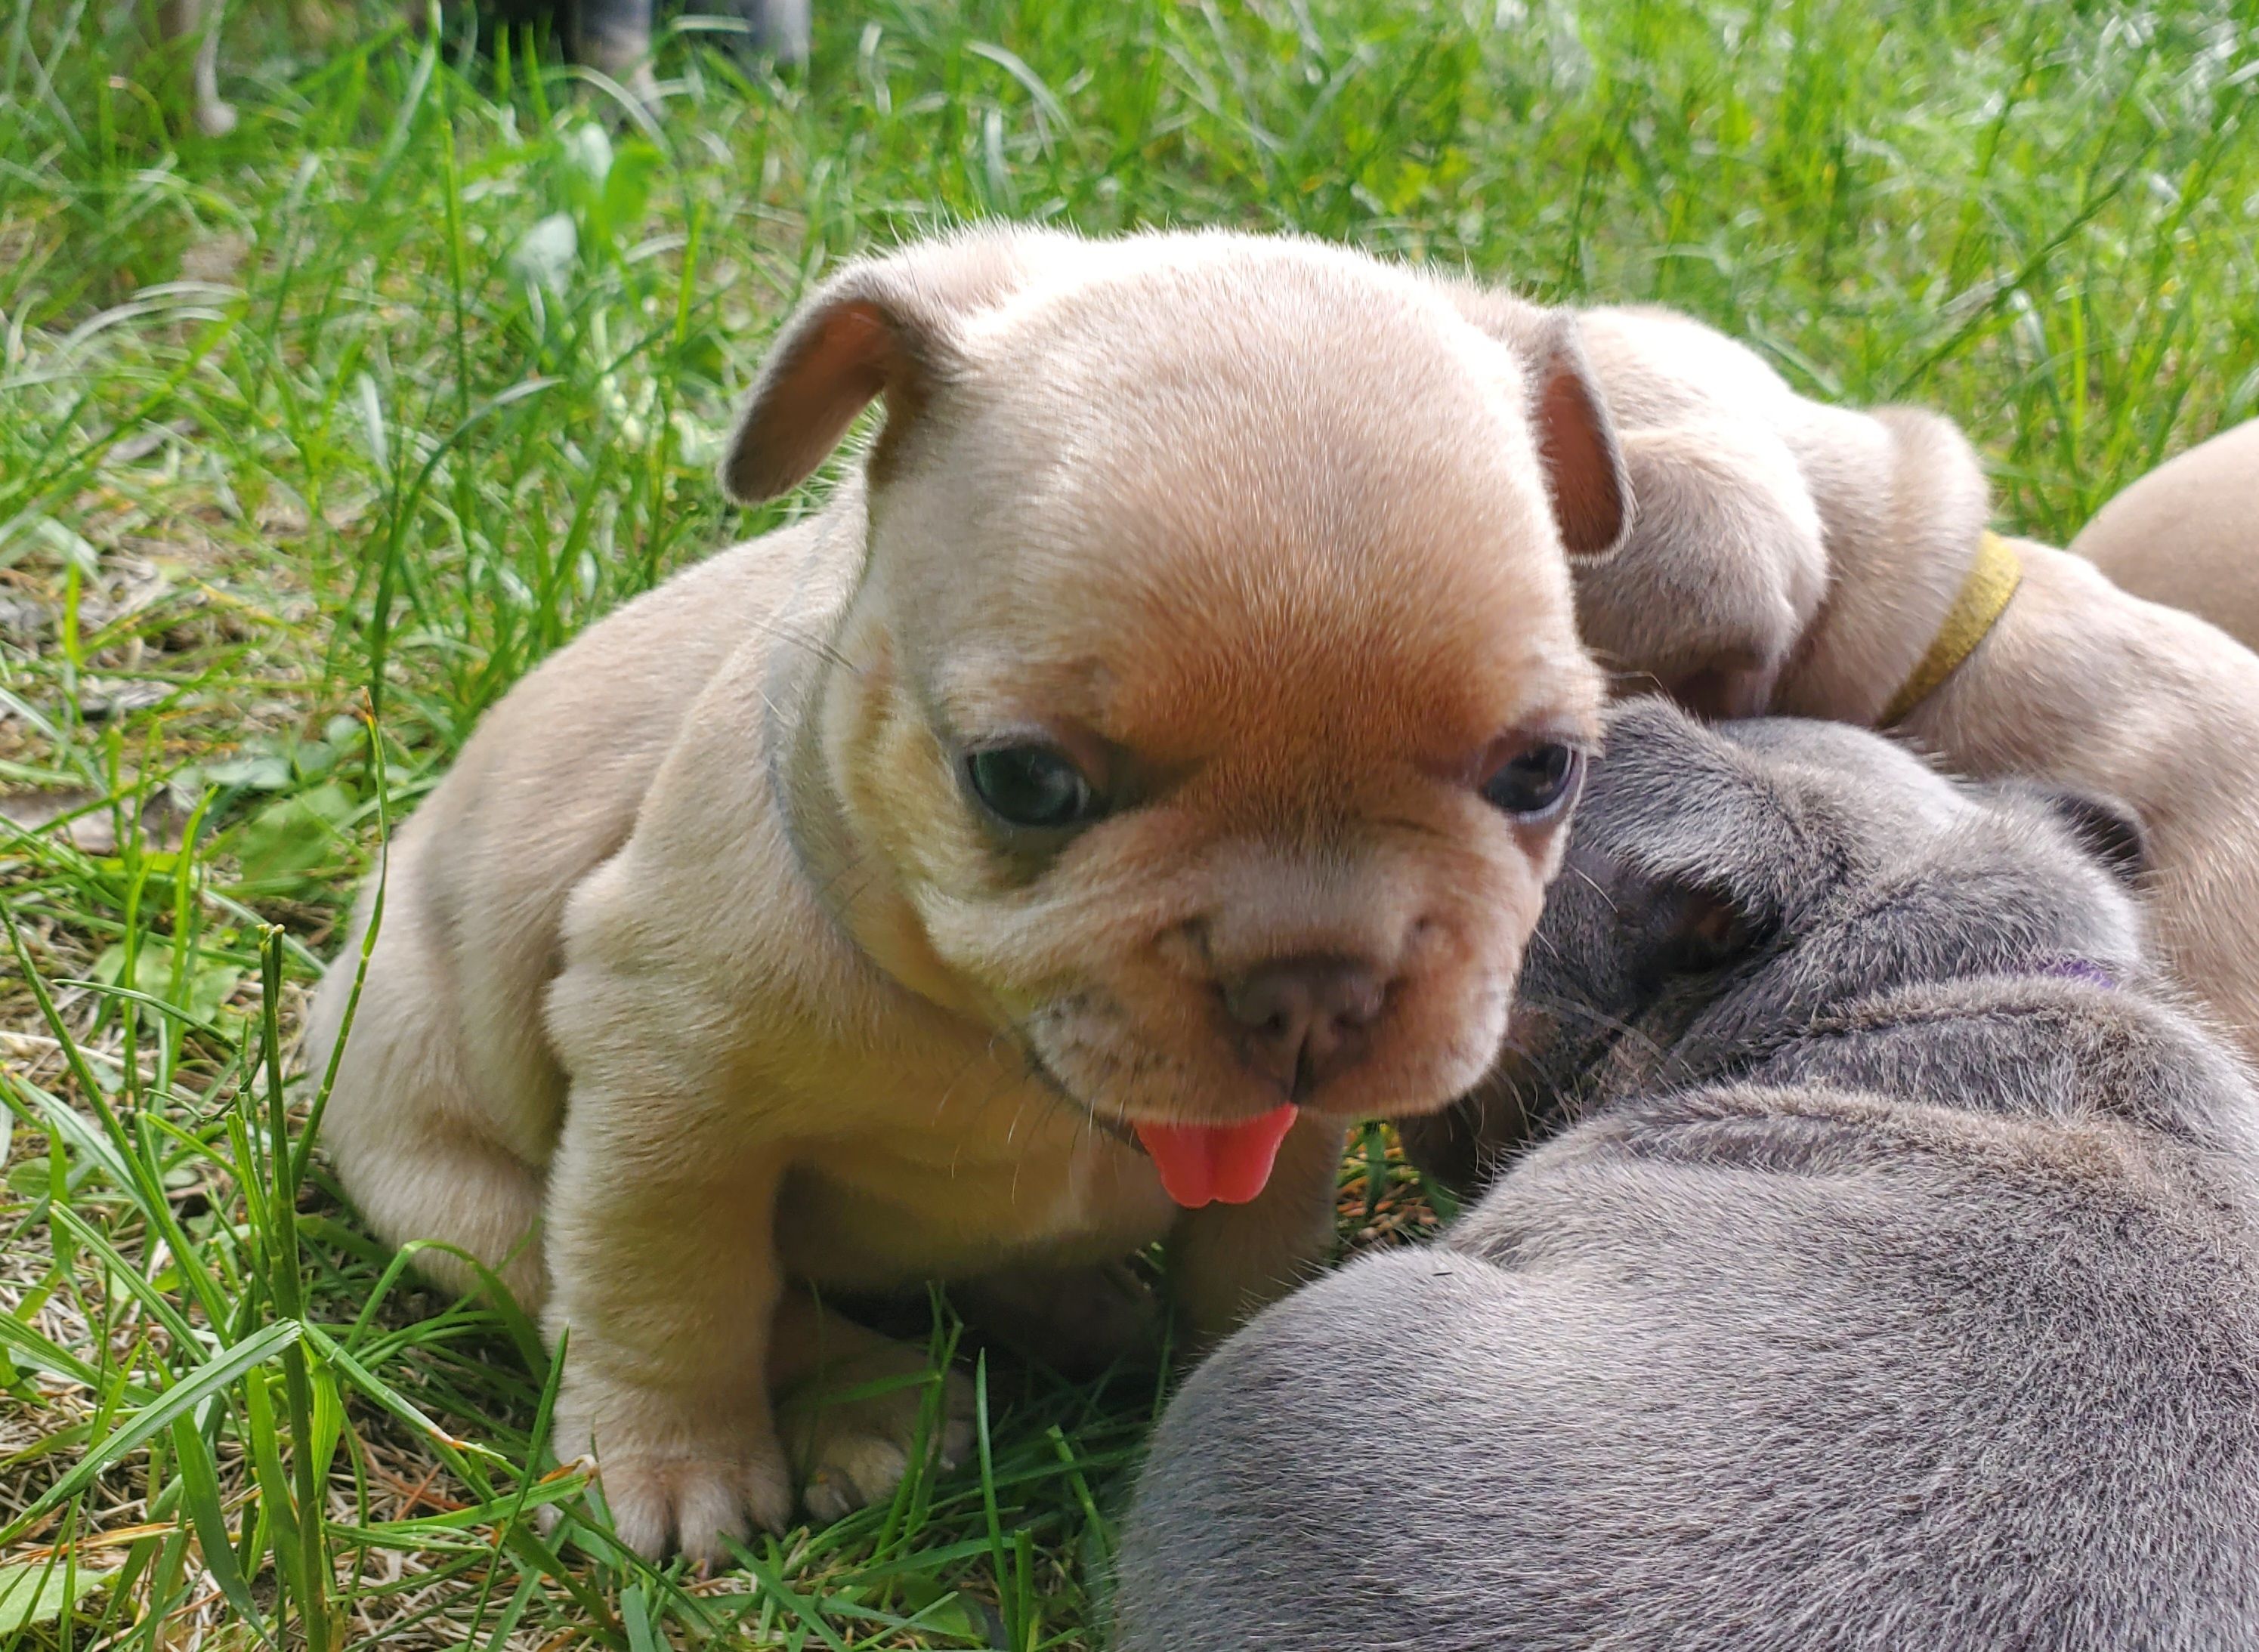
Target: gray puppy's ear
x=1689, y=819
x=1585, y=473
x=1675, y=922
x=883, y=326
x=1697, y=928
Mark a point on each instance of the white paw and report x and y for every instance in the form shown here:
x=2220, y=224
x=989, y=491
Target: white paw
x=215, y=119
x=679, y=1474
x=852, y=1432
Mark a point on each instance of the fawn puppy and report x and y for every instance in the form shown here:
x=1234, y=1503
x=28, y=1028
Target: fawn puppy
x=1892, y=1280
x=1150, y=759
x=2187, y=534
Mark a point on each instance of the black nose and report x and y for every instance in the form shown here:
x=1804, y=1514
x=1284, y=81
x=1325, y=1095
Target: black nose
x=1304, y=1019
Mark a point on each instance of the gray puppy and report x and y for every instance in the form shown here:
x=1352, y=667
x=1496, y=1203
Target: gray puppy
x=1894, y=1284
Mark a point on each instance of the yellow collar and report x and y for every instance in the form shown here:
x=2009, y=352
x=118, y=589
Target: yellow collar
x=1977, y=607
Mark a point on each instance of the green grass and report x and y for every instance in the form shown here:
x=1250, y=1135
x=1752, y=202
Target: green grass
x=345, y=420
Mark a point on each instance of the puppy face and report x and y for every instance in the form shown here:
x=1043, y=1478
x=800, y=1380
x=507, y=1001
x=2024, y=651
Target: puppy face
x=1725, y=886
x=1217, y=705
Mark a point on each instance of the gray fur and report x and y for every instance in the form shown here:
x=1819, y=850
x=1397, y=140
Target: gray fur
x=1888, y=1287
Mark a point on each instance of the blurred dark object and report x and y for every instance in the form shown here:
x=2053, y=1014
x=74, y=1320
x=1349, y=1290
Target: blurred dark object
x=1466, y=1145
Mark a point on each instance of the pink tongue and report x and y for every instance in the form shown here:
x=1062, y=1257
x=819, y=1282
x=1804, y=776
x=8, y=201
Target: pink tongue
x=1228, y=1161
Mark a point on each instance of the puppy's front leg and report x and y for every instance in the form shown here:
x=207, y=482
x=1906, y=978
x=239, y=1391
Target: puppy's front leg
x=663, y=1270
x=1227, y=1261
x=852, y=1406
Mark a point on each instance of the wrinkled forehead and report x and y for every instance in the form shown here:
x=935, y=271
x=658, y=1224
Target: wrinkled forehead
x=1239, y=632
x=1184, y=522
x=1258, y=377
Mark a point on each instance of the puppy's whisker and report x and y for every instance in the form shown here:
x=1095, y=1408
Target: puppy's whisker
x=846, y=901
x=1574, y=1099
x=1597, y=888
x=1575, y=1009
x=1014, y=1032
x=1096, y=1107
x=984, y=1054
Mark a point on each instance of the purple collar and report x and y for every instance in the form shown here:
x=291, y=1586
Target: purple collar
x=2078, y=969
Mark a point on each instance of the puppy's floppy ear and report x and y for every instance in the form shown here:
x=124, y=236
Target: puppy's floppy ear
x=883, y=326
x=1585, y=476
x=1687, y=814
x=1694, y=926
x=1584, y=472
x=1675, y=920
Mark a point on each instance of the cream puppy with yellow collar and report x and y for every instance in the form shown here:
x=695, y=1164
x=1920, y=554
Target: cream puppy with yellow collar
x=1151, y=760
x=1794, y=558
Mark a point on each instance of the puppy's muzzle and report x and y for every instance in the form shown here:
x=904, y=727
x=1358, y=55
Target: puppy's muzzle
x=1301, y=1022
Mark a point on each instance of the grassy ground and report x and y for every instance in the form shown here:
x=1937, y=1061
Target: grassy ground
x=357, y=412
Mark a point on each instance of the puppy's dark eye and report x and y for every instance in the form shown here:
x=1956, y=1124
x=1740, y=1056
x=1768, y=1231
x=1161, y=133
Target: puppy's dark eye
x=1032, y=785
x=1535, y=782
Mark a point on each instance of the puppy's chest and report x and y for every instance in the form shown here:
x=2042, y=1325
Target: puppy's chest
x=941, y=1179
